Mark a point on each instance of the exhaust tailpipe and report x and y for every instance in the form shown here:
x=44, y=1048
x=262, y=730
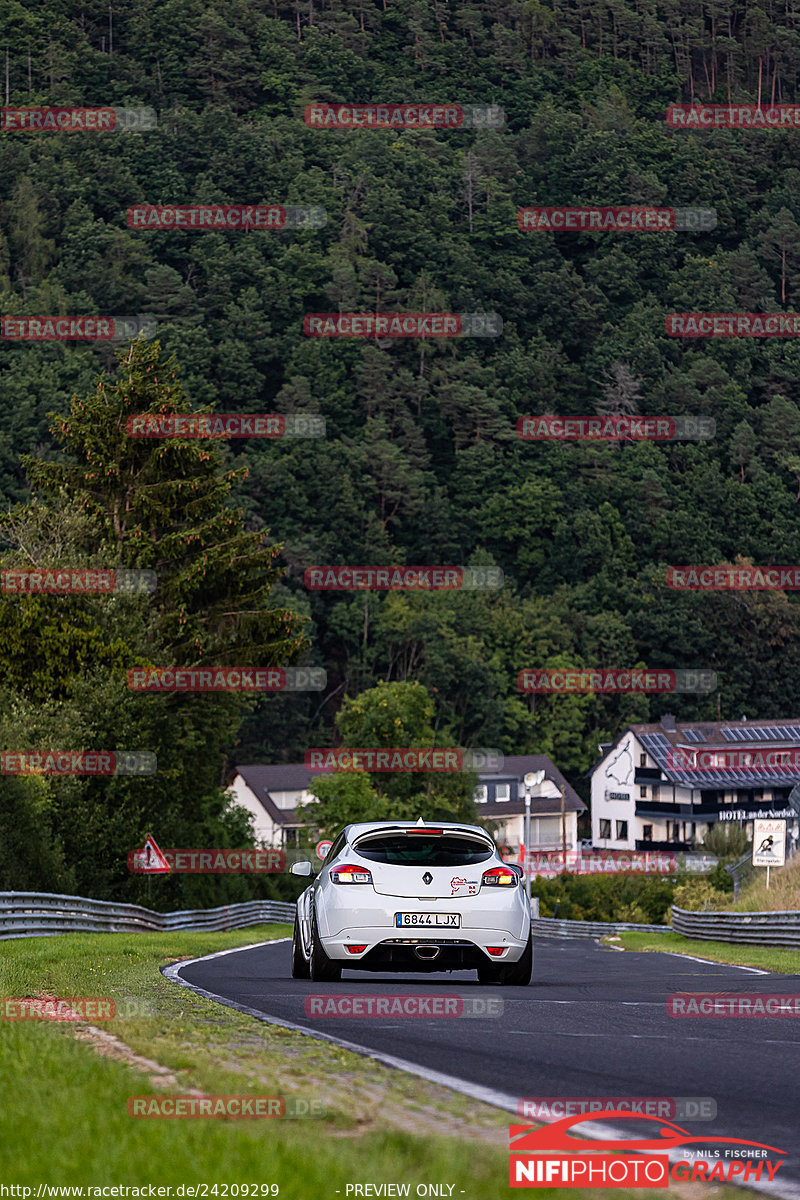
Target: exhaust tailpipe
x=426, y=952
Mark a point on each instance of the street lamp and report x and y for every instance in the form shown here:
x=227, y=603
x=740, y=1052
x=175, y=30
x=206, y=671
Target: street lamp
x=532, y=779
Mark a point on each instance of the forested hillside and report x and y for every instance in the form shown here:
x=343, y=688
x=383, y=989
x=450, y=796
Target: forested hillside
x=421, y=463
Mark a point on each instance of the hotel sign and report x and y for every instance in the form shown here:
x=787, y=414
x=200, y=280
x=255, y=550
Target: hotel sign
x=753, y=814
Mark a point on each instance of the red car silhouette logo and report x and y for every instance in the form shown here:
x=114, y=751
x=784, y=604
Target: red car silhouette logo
x=527, y=1138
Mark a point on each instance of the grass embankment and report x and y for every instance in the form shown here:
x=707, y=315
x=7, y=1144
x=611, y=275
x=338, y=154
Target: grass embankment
x=767, y=958
x=782, y=895
x=65, y=1119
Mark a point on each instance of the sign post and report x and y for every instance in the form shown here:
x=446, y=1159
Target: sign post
x=532, y=780
x=769, y=844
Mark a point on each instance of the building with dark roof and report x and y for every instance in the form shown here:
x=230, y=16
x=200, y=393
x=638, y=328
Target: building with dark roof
x=272, y=793
x=662, y=786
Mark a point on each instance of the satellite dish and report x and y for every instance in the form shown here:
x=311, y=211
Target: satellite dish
x=533, y=778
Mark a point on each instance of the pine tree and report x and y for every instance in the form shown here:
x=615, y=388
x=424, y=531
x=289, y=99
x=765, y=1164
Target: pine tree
x=162, y=504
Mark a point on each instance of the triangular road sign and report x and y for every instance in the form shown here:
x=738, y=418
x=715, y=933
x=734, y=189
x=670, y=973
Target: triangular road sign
x=150, y=860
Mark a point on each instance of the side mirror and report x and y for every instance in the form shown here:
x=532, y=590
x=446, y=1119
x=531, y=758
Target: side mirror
x=300, y=868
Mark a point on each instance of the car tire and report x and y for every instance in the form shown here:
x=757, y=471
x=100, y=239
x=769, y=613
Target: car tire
x=300, y=967
x=518, y=974
x=321, y=968
x=488, y=973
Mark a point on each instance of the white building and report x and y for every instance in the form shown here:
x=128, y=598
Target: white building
x=661, y=787
x=272, y=793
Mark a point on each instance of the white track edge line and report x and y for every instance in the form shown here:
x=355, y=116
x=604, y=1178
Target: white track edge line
x=711, y=962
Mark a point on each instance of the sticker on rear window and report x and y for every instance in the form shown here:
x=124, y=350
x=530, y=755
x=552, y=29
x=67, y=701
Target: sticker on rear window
x=463, y=887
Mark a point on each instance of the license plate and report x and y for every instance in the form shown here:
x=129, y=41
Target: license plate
x=448, y=920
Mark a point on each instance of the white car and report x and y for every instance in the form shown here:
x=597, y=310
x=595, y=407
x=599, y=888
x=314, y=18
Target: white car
x=398, y=896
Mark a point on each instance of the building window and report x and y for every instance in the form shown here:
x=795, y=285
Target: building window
x=642, y=792
x=605, y=828
x=655, y=791
x=622, y=831
x=647, y=833
x=481, y=792
x=502, y=791
x=642, y=760
x=675, y=828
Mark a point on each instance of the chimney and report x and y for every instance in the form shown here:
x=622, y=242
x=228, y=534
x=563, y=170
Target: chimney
x=668, y=723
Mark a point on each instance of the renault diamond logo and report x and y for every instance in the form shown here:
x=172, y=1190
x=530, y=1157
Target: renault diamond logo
x=427, y=877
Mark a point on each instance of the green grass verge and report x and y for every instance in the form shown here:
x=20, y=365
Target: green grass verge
x=768, y=958
x=68, y=1123
x=65, y=1119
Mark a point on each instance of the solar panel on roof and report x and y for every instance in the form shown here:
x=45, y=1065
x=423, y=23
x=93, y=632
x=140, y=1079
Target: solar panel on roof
x=695, y=735
x=762, y=733
x=657, y=741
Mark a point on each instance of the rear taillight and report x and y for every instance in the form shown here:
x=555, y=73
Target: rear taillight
x=355, y=949
x=496, y=951
x=499, y=877
x=348, y=873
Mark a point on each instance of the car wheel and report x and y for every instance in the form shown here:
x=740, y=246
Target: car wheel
x=488, y=973
x=518, y=974
x=322, y=968
x=300, y=968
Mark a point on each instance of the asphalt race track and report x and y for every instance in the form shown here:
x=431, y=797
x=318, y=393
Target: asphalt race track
x=593, y=1022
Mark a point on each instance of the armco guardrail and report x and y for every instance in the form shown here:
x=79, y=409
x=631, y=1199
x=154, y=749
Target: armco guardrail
x=555, y=927
x=757, y=928
x=36, y=914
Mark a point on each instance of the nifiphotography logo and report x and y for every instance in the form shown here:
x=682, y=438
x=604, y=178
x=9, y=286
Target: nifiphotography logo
x=547, y=1156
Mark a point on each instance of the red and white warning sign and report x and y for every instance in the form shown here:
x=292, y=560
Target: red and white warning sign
x=149, y=860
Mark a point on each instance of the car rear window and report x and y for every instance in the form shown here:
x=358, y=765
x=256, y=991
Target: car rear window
x=420, y=850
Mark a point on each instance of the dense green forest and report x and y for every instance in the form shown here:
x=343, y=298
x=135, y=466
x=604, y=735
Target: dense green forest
x=421, y=463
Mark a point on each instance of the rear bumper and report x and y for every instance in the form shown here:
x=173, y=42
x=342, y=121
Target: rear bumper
x=407, y=950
